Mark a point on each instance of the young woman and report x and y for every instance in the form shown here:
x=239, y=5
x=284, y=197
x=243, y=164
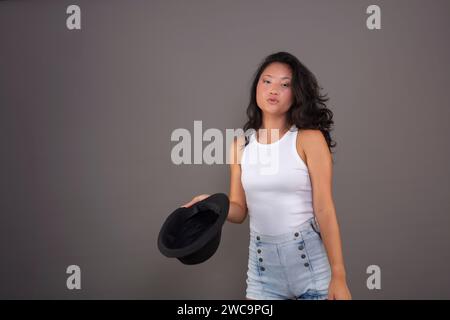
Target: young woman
x=295, y=246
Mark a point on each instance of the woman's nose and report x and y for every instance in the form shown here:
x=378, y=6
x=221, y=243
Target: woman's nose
x=273, y=90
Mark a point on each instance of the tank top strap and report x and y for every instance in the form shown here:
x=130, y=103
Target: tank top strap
x=292, y=134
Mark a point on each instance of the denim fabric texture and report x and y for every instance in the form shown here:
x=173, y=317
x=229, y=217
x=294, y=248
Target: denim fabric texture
x=293, y=265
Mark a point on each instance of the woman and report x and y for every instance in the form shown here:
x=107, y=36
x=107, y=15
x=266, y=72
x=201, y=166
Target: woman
x=295, y=246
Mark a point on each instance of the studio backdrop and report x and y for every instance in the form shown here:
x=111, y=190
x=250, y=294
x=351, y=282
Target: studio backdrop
x=91, y=93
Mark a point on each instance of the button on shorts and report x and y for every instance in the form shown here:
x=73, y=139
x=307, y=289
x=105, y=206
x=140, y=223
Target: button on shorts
x=293, y=265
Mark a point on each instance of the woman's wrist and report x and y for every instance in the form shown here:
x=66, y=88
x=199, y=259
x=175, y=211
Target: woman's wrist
x=338, y=272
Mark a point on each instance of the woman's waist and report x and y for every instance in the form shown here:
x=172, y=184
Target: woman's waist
x=279, y=230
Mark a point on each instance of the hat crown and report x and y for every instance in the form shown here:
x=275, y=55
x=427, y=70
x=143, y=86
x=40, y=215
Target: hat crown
x=193, y=234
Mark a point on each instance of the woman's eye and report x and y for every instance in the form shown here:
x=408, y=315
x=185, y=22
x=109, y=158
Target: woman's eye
x=286, y=85
x=266, y=81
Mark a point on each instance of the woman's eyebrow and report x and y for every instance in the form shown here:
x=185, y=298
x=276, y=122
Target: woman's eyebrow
x=268, y=75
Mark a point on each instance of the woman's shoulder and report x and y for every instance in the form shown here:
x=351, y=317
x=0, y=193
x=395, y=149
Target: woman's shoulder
x=307, y=138
x=239, y=141
x=310, y=131
x=311, y=141
x=310, y=136
x=237, y=148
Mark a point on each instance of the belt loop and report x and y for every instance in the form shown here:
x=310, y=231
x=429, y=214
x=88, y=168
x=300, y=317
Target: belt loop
x=315, y=225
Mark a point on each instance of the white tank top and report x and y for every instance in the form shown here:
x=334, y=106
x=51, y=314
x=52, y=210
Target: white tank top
x=277, y=185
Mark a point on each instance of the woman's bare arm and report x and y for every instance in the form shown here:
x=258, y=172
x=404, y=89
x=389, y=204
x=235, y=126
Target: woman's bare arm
x=319, y=164
x=238, y=206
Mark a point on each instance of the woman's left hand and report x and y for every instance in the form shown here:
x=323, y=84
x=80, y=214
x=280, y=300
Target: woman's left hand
x=338, y=289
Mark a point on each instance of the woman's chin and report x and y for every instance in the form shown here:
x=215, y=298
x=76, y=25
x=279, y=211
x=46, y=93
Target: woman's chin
x=274, y=110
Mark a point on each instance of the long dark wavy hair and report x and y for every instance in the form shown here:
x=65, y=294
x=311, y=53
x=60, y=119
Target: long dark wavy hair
x=308, y=109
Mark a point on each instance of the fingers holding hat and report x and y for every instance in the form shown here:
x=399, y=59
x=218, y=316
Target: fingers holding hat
x=192, y=232
x=195, y=200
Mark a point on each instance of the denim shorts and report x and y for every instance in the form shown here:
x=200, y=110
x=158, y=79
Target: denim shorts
x=292, y=265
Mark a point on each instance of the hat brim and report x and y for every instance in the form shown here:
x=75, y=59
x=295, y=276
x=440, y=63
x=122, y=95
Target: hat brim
x=188, y=230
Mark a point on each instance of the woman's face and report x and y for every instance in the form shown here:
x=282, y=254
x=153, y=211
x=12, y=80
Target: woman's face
x=273, y=92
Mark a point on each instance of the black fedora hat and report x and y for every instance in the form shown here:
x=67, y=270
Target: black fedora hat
x=193, y=234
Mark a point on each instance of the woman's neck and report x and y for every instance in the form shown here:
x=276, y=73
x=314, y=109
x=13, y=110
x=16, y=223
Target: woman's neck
x=272, y=125
x=270, y=122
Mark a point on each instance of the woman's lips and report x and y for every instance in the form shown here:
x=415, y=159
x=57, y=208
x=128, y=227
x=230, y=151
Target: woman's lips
x=272, y=101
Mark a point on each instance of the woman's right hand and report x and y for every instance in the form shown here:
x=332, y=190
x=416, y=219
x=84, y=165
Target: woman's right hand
x=195, y=200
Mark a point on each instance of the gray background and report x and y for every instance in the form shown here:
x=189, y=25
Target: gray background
x=86, y=118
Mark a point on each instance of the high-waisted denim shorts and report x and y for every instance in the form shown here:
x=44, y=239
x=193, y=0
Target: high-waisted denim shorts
x=293, y=265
